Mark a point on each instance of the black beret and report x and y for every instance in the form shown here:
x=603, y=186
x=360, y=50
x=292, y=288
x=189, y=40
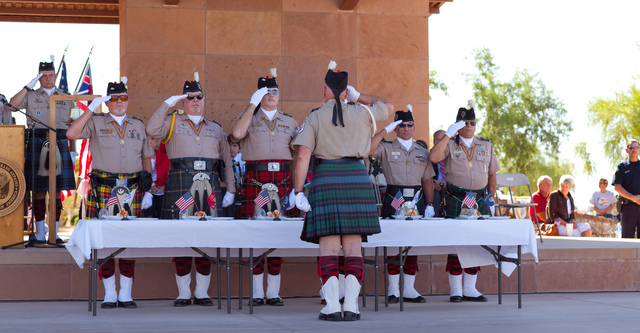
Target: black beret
x=46, y=66
x=116, y=88
x=466, y=114
x=191, y=86
x=269, y=82
x=403, y=115
x=336, y=81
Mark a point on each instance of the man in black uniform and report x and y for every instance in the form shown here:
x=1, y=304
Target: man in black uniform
x=627, y=183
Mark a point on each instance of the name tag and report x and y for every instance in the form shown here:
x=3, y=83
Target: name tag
x=199, y=165
x=273, y=166
x=408, y=192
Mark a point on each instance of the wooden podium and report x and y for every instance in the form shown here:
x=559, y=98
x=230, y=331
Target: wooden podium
x=12, y=184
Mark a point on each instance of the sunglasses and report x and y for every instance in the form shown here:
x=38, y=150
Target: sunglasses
x=633, y=147
x=604, y=182
x=191, y=97
x=273, y=91
x=405, y=125
x=472, y=123
x=123, y=98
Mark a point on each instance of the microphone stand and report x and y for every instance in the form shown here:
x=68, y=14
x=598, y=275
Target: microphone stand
x=32, y=237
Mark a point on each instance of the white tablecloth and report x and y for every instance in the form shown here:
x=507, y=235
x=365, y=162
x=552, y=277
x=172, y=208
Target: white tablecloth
x=169, y=238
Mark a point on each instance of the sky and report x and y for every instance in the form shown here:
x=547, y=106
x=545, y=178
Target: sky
x=581, y=50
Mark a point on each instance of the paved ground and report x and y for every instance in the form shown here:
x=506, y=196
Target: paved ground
x=571, y=312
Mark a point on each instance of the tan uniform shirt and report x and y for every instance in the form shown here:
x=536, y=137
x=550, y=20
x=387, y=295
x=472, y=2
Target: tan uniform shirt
x=115, y=148
x=209, y=142
x=402, y=167
x=259, y=144
x=37, y=105
x=470, y=168
x=327, y=141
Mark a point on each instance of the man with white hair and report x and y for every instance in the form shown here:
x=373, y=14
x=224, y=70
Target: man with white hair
x=540, y=197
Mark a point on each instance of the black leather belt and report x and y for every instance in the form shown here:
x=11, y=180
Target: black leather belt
x=265, y=166
x=343, y=160
x=44, y=133
x=111, y=182
x=188, y=164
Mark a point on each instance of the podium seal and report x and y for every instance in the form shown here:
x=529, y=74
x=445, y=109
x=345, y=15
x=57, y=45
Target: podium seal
x=12, y=186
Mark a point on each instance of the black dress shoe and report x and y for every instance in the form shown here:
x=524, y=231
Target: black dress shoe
x=323, y=302
x=418, y=299
x=393, y=299
x=181, y=302
x=351, y=316
x=203, y=301
x=108, y=305
x=455, y=299
x=336, y=316
x=275, y=301
x=60, y=241
x=127, y=305
x=475, y=299
x=257, y=302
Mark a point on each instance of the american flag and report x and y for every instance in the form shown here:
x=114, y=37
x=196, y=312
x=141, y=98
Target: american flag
x=262, y=199
x=63, y=85
x=211, y=200
x=113, y=199
x=129, y=196
x=470, y=199
x=185, y=201
x=85, y=158
x=397, y=201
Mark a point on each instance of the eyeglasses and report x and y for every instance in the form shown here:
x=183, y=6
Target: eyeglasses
x=405, y=125
x=273, y=91
x=634, y=147
x=472, y=123
x=123, y=98
x=191, y=97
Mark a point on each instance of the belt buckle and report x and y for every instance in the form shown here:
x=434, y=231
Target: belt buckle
x=273, y=166
x=121, y=182
x=408, y=192
x=199, y=165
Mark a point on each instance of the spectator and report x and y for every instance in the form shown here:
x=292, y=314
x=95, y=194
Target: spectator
x=560, y=209
x=540, y=197
x=603, y=201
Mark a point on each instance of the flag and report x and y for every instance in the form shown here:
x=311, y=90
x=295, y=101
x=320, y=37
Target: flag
x=63, y=85
x=113, y=199
x=397, y=201
x=185, y=201
x=211, y=200
x=488, y=199
x=262, y=199
x=129, y=196
x=288, y=201
x=470, y=199
x=86, y=88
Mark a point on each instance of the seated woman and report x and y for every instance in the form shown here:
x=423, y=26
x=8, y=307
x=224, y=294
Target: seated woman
x=560, y=209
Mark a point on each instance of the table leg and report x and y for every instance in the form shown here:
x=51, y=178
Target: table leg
x=240, y=279
x=90, y=276
x=375, y=270
x=95, y=281
x=218, y=275
x=251, y=281
x=228, y=266
x=519, y=277
x=499, y=278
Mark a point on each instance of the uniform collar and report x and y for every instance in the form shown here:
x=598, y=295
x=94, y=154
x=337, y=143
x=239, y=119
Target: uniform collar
x=56, y=91
x=399, y=143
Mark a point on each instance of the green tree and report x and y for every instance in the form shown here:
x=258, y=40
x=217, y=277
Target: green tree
x=436, y=84
x=618, y=120
x=524, y=120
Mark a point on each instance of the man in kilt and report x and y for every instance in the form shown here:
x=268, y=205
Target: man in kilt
x=341, y=208
x=265, y=135
x=121, y=157
x=407, y=169
x=199, y=154
x=36, y=103
x=470, y=165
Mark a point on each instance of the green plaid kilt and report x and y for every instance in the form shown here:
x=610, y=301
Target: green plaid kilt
x=178, y=182
x=104, y=192
x=455, y=195
x=342, y=202
x=65, y=180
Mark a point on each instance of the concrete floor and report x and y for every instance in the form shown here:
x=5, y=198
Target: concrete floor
x=557, y=312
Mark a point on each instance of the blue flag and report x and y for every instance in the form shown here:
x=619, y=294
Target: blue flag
x=286, y=201
x=64, y=86
x=488, y=199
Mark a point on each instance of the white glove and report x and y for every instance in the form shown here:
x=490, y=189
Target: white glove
x=256, y=98
x=353, y=94
x=454, y=128
x=33, y=82
x=302, y=203
x=147, y=201
x=74, y=155
x=429, y=212
x=228, y=199
x=171, y=101
x=96, y=102
x=389, y=128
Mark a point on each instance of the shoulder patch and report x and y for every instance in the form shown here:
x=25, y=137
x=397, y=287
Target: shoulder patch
x=351, y=103
x=211, y=120
x=99, y=114
x=483, y=139
x=136, y=118
x=421, y=145
x=385, y=140
x=286, y=114
x=316, y=109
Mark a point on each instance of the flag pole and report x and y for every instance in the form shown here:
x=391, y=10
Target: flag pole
x=84, y=69
x=62, y=60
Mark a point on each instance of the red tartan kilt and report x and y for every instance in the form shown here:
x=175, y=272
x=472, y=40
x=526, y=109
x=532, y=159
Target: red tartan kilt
x=250, y=190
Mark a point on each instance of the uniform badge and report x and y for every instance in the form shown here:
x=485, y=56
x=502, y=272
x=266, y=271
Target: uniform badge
x=257, y=124
x=38, y=113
